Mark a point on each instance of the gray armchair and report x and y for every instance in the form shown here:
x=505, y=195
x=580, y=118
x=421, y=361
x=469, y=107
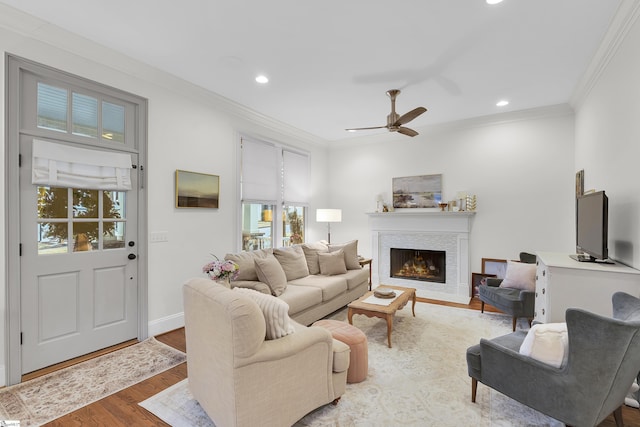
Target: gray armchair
x=515, y=302
x=603, y=361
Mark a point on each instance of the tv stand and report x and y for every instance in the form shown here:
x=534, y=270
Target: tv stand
x=562, y=283
x=589, y=258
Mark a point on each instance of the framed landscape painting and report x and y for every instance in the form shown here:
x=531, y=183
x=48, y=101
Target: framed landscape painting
x=197, y=190
x=423, y=191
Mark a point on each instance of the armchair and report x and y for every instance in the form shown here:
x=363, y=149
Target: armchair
x=516, y=302
x=603, y=360
x=242, y=379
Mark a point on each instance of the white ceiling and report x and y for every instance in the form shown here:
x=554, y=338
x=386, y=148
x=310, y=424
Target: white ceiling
x=330, y=62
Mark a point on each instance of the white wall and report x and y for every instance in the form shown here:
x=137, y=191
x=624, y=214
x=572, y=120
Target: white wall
x=188, y=129
x=608, y=145
x=520, y=167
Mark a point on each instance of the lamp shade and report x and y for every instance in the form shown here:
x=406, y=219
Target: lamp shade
x=328, y=215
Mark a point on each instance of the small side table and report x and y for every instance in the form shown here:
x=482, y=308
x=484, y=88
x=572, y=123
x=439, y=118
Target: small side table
x=363, y=262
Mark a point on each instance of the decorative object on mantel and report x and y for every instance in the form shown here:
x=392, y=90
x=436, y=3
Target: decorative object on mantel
x=443, y=205
x=471, y=203
x=453, y=206
x=579, y=183
x=423, y=191
x=461, y=197
x=221, y=271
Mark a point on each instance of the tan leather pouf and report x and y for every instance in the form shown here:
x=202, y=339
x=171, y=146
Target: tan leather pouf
x=357, y=342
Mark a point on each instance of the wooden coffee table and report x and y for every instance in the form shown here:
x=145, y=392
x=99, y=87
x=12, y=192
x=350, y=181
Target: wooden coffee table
x=383, y=311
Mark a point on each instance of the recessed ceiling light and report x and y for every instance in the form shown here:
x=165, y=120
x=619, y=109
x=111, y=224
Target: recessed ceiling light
x=262, y=79
x=502, y=103
x=494, y=1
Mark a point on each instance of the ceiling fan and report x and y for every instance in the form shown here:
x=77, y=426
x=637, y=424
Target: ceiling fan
x=395, y=121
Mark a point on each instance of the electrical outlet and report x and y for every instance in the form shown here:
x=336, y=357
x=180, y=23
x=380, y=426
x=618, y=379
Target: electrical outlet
x=158, y=236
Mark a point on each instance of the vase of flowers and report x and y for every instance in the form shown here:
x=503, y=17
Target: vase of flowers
x=221, y=271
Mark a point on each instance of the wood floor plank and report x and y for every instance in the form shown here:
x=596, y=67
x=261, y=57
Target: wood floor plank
x=122, y=409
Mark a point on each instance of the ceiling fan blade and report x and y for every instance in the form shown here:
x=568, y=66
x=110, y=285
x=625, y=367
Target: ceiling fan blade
x=407, y=131
x=406, y=118
x=374, y=127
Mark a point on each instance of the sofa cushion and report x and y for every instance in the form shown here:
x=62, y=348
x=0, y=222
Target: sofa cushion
x=356, y=278
x=275, y=311
x=311, y=251
x=245, y=261
x=252, y=284
x=548, y=343
x=332, y=263
x=270, y=272
x=350, y=254
x=301, y=298
x=293, y=262
x=331, y=286
x=520, y=275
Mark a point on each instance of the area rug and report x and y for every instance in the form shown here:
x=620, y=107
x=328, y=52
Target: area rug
x=421, y=381
x=51, y=396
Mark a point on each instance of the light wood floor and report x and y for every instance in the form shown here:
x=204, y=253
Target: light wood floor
x=122, y=409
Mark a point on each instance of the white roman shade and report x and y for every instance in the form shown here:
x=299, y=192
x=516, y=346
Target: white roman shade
x=296, y=178
x=259, y=171
x=59, y=165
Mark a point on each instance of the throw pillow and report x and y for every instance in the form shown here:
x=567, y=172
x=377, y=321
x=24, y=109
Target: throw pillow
x=311, y=251
x=548, y=343
x=332, y=263
x=245, y=261
x=292, y=261
x=270, y=272
x=520, y=275
x=350, y=254
x=275, y=311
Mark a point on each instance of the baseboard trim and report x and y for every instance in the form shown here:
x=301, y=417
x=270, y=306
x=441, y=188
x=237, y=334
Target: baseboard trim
x=166, y=324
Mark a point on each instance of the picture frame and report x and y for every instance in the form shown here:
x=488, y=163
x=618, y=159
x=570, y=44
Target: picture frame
x=478, y=279
x=422, y=191
x=197, y=190
x=579, y=183
x=495, y=266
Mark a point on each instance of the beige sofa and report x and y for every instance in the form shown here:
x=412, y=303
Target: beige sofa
x=242, y=379
x=315, y=279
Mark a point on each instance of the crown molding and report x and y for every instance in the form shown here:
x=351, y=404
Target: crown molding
x=621, y=23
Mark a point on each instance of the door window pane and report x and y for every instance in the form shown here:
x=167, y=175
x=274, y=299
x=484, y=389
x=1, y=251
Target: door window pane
x=113, y=235
x=85, y=203
x=257, y=226
x=84, y=115
x=85, y=236
x=52, y=202
x=112, y=122
x=113, y=204
x=293, y=225
x=52, y=238
x=52, y=107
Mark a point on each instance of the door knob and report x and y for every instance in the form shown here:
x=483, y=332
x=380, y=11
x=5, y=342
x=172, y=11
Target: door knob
x=132, y=256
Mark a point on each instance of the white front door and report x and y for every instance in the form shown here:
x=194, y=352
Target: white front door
x=78, y=268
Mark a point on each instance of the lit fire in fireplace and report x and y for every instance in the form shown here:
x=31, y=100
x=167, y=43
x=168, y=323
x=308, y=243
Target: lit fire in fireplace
x=418, y=264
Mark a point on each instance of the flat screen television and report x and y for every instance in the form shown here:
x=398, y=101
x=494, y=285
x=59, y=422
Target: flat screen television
x=592, y=227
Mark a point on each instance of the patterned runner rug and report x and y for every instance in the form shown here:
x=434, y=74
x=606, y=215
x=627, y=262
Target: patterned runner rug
x=51, y=396
x=421, y=381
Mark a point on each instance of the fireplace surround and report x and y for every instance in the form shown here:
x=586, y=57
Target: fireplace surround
x=447, y=232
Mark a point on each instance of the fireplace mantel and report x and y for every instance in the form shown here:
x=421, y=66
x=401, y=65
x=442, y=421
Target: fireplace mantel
x=424, y=229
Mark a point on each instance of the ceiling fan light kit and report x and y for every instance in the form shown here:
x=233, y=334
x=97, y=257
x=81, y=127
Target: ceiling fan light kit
x=394, y=120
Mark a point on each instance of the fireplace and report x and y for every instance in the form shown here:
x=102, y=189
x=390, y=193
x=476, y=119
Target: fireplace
x=418, y=264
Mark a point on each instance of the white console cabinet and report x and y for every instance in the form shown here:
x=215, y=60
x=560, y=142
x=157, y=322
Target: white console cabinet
x=562, y=282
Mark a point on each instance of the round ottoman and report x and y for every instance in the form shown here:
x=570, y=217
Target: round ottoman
x=357, y=342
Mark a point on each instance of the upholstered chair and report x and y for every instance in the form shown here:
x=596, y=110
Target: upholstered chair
x=602, y=361
x=516, y=302
x=242, y=372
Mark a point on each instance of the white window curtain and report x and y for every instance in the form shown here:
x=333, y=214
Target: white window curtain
x=59, y=165
x=259, y=180
x=295, y=171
